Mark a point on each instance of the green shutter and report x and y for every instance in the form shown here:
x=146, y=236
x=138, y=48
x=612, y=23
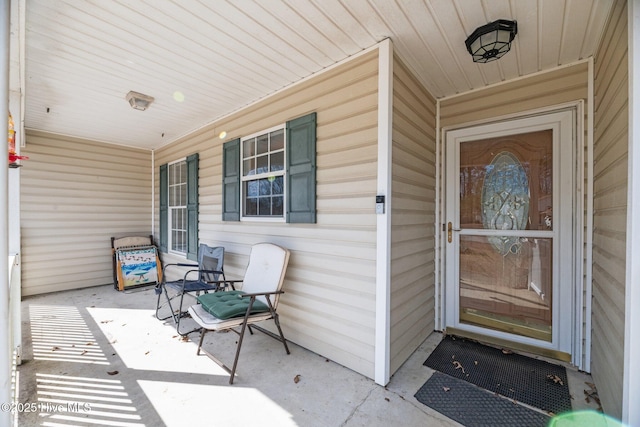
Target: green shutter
x=164, y=195
x=192, y=207
x=231, y=181
x=301, y=169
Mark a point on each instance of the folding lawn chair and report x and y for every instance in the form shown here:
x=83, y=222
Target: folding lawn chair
x=256, y=302
x=206, y=276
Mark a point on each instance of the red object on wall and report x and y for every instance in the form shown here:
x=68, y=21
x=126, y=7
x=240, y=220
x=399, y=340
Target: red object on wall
x=13, y=156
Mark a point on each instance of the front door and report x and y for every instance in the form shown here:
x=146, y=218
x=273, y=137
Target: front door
x=509, y=230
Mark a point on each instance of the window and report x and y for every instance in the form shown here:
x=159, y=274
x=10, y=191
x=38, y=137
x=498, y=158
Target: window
x=177, y=232
x=272, y=174
x=263, y=175
x=179, y=207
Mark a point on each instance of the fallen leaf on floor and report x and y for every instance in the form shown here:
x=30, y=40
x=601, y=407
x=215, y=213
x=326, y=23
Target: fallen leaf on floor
x=556, y=379
x=296, y=379
x=147, y=352
x=55, y=348
x=89, y=343
x=387, y=399
x=475, y=362
x=592, y=394
x=112, y=372
x=506, y=351
x=458, y=365
x=106, y=321
x=446, y=389
x=184, y=338
x=83, y=352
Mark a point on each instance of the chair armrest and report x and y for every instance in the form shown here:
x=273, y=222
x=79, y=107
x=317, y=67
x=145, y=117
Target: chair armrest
x=253, y=297
x=257, y=294
x=178, y=264
x=232, y=283
x=164, y=270
x=221, y=273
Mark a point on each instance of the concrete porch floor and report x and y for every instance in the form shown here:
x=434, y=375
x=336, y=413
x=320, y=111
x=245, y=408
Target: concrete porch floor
x=99, y=357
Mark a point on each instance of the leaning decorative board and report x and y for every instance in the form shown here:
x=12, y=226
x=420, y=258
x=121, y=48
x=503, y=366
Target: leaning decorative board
x=137, y=264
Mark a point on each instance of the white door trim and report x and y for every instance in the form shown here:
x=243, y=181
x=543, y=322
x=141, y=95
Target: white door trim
x=569, y=341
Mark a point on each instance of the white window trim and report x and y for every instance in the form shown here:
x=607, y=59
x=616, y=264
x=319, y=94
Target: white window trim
x=282, y=173
x=169, y=229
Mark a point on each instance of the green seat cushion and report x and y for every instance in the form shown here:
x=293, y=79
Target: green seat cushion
x=225, y=305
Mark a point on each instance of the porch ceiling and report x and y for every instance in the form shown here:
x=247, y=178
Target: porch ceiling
x=83, y=56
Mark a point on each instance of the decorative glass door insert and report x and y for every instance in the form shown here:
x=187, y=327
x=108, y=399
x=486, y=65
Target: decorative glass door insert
x=505, y=274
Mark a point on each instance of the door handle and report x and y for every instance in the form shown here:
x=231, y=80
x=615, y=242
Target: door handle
x=450, y=231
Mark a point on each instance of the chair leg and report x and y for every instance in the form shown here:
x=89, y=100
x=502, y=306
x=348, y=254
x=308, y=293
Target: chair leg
x=173, y=314
x=202, y=333
x=277, y=322
x=235, y=361
x=158, y=305
x=182, y=334
x=163, y=291
x=180, y=315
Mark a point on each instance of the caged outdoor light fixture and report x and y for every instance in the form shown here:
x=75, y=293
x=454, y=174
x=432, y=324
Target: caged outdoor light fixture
x=491, y=41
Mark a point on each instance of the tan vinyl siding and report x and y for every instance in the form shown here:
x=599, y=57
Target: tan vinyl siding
x=329, y=301
x=563, y=85
x=610, y=211
x=75, y=195
x=413, y=215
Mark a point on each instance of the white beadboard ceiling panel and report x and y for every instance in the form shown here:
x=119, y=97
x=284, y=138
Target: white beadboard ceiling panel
x=83, y=56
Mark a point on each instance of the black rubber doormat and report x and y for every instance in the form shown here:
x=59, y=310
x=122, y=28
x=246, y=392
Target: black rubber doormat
x=472, y=406
x=534, y=382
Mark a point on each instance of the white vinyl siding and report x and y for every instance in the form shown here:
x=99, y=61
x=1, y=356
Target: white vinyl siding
x=75, y=195
x=413, y=215
x=329, y=301
x=610, y=211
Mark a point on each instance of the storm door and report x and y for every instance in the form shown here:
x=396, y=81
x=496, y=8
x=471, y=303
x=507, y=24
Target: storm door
x=508, y=231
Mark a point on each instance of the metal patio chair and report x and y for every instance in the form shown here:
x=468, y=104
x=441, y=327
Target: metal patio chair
x=204, y=277
x=257, y=300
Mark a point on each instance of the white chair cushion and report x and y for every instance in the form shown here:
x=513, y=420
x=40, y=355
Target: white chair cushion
x=265, y=269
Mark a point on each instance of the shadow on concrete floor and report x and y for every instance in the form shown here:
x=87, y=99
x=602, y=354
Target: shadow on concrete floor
x=99, y=357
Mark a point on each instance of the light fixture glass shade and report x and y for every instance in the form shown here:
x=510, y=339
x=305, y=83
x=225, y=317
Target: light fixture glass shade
x=491, y=41
x=139, y=101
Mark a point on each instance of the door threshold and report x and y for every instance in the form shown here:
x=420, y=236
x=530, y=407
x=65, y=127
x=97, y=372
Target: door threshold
x=545, y=352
